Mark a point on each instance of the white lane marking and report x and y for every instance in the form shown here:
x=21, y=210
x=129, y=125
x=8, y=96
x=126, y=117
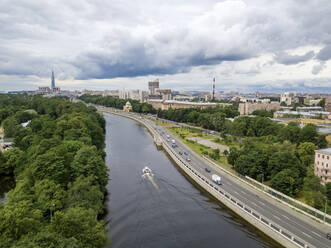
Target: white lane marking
x=242, y=192
x=307, y=235
x=236, y=192
x=254, y=203
x=262, y=203
x=286, y=217
x=316, y=234
x=277, y=217
x=229, y=183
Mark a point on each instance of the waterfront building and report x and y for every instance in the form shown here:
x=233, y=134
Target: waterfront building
x=322, y=165
x=127, y=107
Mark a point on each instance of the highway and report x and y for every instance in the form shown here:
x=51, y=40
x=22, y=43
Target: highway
x=250, y=197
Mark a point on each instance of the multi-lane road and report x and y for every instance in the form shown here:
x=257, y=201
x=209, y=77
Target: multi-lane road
x=285, y=217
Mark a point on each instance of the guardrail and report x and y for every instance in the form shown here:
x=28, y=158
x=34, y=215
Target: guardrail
x=297, y=204
x=238, y=204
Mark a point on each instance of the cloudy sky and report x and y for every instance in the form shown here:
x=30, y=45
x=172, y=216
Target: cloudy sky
x=247, y=45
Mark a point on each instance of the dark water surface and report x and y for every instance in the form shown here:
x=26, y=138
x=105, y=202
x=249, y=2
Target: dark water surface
x=177, y=213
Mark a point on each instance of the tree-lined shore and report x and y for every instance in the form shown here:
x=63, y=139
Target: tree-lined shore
x=58, y=164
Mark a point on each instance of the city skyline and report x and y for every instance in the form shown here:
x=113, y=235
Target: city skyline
x=246, y=45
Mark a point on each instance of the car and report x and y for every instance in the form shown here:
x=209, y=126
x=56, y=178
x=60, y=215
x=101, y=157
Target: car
x=328, y=235
x=180, y=153
x=188, y=159
x=186, y=153
x=208, y=170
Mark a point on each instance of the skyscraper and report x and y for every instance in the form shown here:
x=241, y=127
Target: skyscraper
x=53, y=81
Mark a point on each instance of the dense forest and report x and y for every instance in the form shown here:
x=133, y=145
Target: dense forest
x=281, y=155
x=58, y=165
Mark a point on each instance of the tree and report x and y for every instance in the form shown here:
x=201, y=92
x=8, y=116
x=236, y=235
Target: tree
x=11, y=160
x=328, y=190
x=306, y=151
x=18, y=219
x=290, y=132
x=87, y=162
x=233, y=155
x=321, y=103
x=49, y=196
x=10, y=127
x=82, y=193
x=321, y=141
x=82, y=225
x=285, y=181
x=284, y=160
x=46, y=239
x=313, y=190
x=51, y=165
x=308, y=133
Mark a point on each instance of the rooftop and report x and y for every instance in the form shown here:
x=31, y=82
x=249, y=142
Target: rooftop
x=324, y=151
x=185, y=102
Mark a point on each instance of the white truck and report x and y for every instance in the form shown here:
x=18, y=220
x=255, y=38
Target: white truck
x=173, y=143
x=217, y=179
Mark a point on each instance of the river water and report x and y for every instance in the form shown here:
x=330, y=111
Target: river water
x=172, y=211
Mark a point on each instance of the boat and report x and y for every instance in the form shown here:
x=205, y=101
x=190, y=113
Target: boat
x=147, y=170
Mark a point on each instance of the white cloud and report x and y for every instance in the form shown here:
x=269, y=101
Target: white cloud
x=126, y=42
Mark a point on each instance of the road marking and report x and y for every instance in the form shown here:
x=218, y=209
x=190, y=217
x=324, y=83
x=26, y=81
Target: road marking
x=277, y=217
x=307, y=235
x=254, y=203
x=262, y=203
x=236, y=192
x=229, y=183
x=242, y=192
x=286, y=217
x=316, y=234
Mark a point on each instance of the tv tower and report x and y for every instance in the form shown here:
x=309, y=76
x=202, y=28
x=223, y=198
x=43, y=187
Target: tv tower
x=53, y=81
x=213, y=89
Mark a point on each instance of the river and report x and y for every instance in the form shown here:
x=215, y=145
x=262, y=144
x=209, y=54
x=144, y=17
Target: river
x=172, y=212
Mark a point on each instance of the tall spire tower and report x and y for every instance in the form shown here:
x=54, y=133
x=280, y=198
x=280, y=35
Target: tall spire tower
x=53, y=81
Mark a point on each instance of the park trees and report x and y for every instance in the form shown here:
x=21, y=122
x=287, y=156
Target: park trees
x=82, y=193
x=286, y=181
x=53, y=174
x=80, y=224
x=306, y=151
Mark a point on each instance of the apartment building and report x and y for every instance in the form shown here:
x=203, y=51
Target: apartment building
x=323, y=164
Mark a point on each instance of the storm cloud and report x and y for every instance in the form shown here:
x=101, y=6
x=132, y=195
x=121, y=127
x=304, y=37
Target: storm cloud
x=108, y=39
